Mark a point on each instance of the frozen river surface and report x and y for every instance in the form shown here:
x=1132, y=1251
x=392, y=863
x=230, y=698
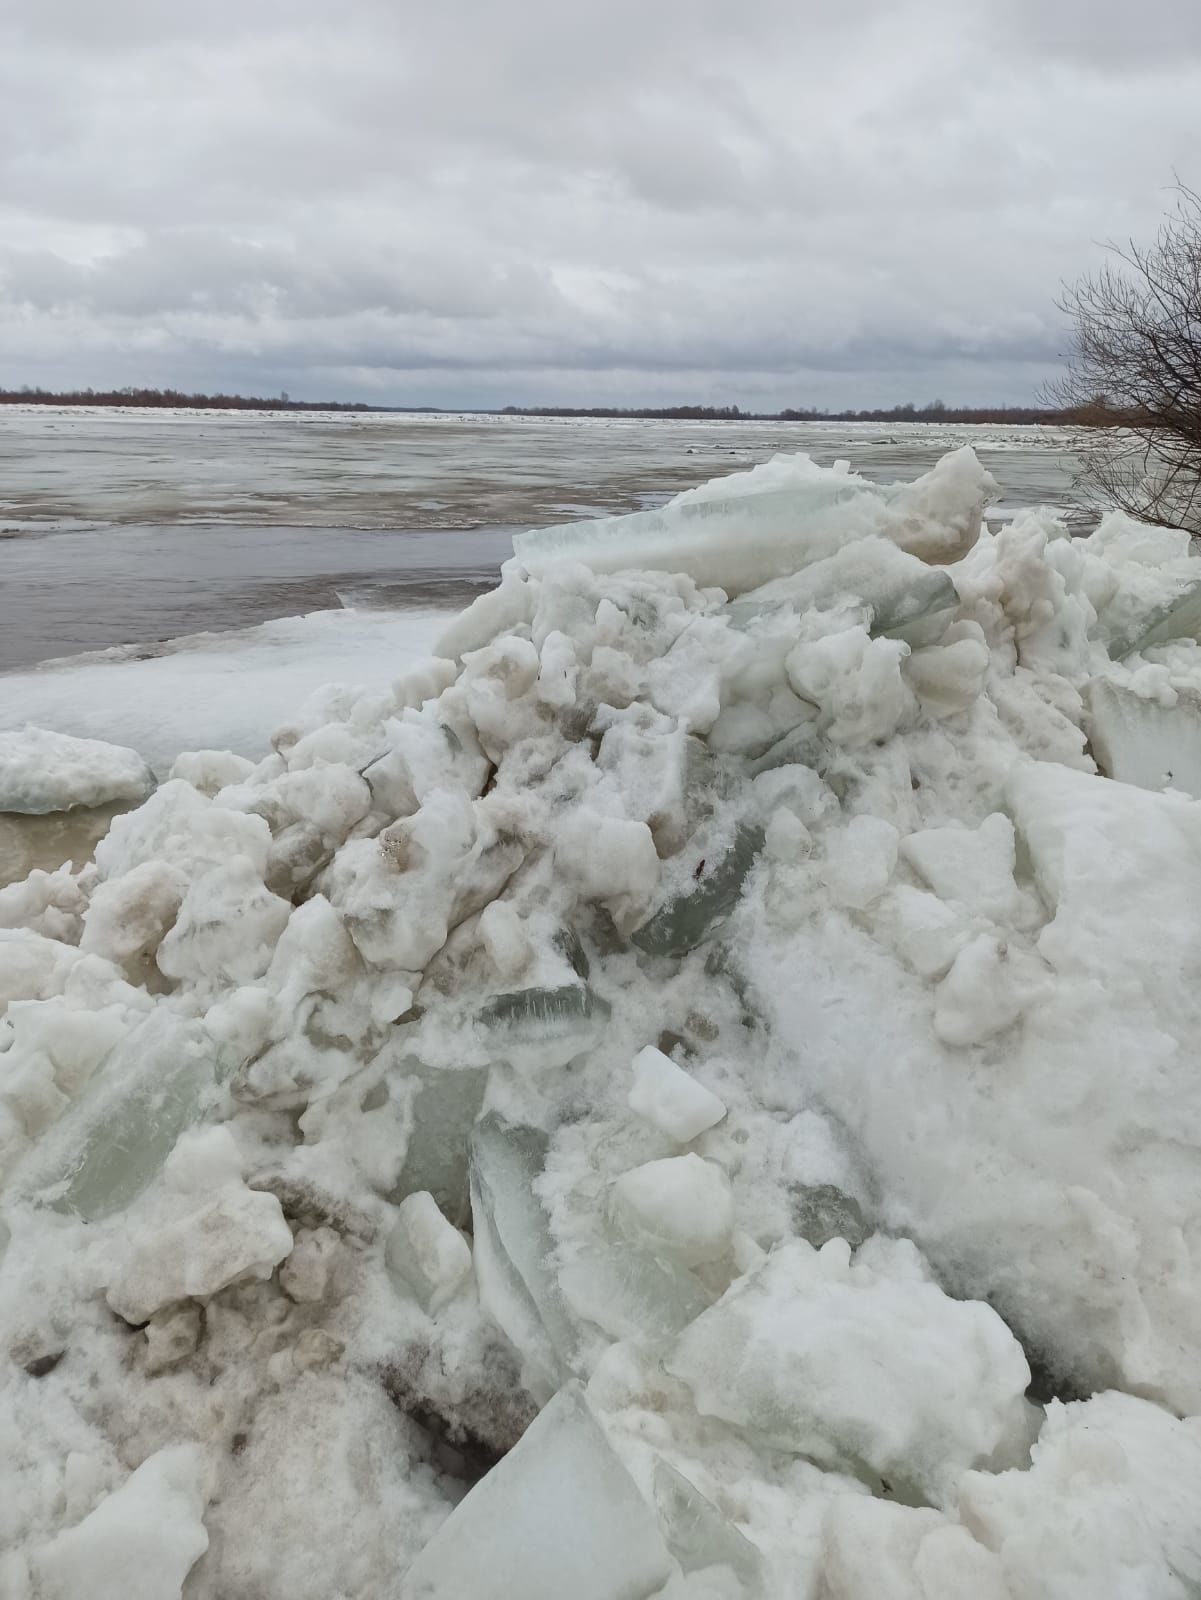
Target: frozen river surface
x=131, y=527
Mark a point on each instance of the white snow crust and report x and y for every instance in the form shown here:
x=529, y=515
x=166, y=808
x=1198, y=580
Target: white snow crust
x=691, y=1091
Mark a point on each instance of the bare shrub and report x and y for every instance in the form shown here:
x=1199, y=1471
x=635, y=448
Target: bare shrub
x=1134, y=371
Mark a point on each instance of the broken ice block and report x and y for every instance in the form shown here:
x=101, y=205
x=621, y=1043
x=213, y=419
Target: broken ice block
x=1139, y=741
x=862, y=1364
x=918, y=615
x=689, y=918
x=908, y=599
x=559, y=1518
x=742, y=531
x=1179, y=618
x=680, y=1208
x=114, y=1139
x=698, y=1535
x=444, y=1109
x=42, y=772
x=424, y=1254
x=544, y=1027
x=630, y=1295
x=139, y=1543
x=240, y=1233
x=517, y=1284
x=671, y=1099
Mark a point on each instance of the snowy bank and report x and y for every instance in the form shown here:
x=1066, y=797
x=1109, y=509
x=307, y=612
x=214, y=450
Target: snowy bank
x=690, y=1091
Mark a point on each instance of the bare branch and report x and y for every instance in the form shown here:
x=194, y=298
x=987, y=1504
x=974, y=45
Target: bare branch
x=1134, y=369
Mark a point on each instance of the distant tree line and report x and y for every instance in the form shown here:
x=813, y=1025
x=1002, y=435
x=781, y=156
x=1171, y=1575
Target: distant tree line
x=1092, y=414
x=27, y=396
x=936, y=411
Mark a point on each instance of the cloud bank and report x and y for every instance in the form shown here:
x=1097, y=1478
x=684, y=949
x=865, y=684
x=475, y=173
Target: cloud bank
x=770, y=203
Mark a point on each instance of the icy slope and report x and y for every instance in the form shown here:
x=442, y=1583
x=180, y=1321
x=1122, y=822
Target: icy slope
x=693, y=1091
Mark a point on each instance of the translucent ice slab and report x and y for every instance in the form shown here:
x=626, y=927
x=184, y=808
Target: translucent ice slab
x=517, y=1282
x=559, y=1518
x=687, y=919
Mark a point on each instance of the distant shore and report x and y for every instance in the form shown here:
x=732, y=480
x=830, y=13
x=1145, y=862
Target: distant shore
x=936, y=412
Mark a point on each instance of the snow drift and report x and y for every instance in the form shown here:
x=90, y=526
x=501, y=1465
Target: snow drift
x=693, y=1091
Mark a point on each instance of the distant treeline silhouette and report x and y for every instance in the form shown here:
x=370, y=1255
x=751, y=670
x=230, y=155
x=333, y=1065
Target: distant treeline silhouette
x=935, y=411
x=174, y=397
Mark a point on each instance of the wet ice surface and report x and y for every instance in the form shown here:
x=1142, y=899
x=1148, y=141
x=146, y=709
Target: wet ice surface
x=326, y=469
x=214, y=690
x=69, y=591
x=132, y=527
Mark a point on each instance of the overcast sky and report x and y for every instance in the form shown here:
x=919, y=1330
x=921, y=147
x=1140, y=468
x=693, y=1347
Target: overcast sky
x=766, y=202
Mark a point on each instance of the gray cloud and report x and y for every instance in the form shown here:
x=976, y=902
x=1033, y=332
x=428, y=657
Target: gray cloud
x=773, y=203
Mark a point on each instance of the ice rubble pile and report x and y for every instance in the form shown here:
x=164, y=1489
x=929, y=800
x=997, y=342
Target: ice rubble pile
x=694, y=1092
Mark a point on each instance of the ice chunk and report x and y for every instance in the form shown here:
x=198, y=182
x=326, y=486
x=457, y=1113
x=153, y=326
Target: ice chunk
x=42, y=771
x=444, y=1109
x=114, y=1140
x=607, y=857
x=237, y=1233
x=506, y=941
x=862, y=1364
x=630, y=1295
x=650, y=759
x=922, y=929
x=304, y=1276
x=856, y=682
x=558, y=1517
x=699, y=1536
x=948, y=678
x=680, y=1208
x=786, y=838
x=171, y=1337
x=50, y=903
x=401, y=895
x=670, y=1098
x=1108, y=1508
x=799, y=789
x=859, y=861
x=1176, y=618
x=226, y=929
x=541, y=1027
x=1138, y=740
x=873, y=1548
x=129, y=915
x=186, y=830
x=425, y=1254
x=140, y=1542
x=743, y=531
x=908, y=599
x=513, y=1245
x=970, y=867
x=688, y=918
x=423, y=754
x=210, y=770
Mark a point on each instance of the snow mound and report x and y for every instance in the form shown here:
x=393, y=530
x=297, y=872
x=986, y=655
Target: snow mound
x=690, y=1091
x=42, y=771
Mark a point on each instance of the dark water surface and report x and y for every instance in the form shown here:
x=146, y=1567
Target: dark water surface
x=64, y=591
x=133, y=527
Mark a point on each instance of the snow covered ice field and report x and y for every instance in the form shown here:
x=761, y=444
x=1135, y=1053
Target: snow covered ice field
x=689, y=1089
